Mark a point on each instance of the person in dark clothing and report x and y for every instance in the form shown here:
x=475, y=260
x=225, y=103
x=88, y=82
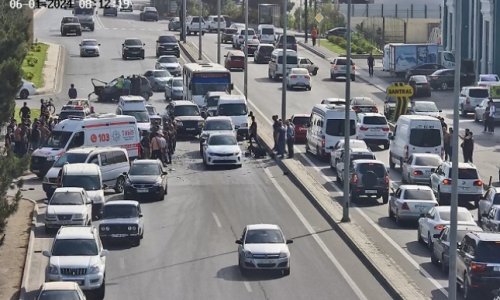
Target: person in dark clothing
x=35, y=136
x=290, y=137
x=486, y=116
x=252, y=134
x=281, y=139
x=447, y=143
x=371, y=62
x=135, y=85
x=145, y=144
x=467, y=146
x=25, y=111
x=72, y=94
x=276, y=127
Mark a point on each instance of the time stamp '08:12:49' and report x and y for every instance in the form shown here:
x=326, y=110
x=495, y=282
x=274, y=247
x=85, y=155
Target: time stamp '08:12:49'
x=69, y=4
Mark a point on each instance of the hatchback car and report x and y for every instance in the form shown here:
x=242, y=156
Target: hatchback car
x=222, y=149
x=28, y=88
x=369, y=178
x=174, y=89
x=60, y=290
x=490, y=198
x=338, y=68
x=470, y=97
x=235, y=59
x=417, y=169
x=262, y=54
x=169, y=63
x=420, y=86
x=158, y=79
x=373, y=129
x=363, y=104
x=409, y=202
x=146, y=179
x=263, y=247
x=213, y=125
x=174, y=24
x=89, y=47
x=167, y=45
x=148, y=13
x=300, y=122
x=425, y=108
x=481, y=109
x=445, y=78
x=132, y=48
x=298, y=78
x=306, y=63
x=122, y=220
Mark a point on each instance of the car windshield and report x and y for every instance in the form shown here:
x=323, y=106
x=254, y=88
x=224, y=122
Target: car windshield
x=213, y=101
x=426, y=107
x=218, y=125
x=488, y=78
x=89, y=43
x=66, y=198
x=58, y=139
x=250, y=32
x=357, y=156
x=145, y=170
x=290, y=59
x=151, y=110
x=267, y=31
x=232, y=109
x=478, y=93
x=266, y=50
x=186, y=110
x=462, y=216
x=59, y=295
x=466, y=173
x=418, y=195
x=87, y=182
x=419, y=79
x=66, y=114
x=80, y=247
x=487, y=251
x=427, y=161
x=140, y=116
x=149, y=9
x=425, y=137
x=374, y=120
x=335, y=127
x=301, y=121
x=222, y=140
x=133, y=42
x=230, y=30
x=161, y=73
x=376, y=168
x=167, y=39
x=203, y=88
x=177, y=82
x=119, y=211
x=299, y=72
x=70, y=158
x=342, y=61
x=264, y=236
x=167, y=59
x=496, y=199
x=362, y=101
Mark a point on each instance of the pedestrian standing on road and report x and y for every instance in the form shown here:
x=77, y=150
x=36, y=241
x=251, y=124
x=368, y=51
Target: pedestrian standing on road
x=72, y=94
x=44, y=133
x=135, y=85
x=491, y=116
x=155, y=147
x=467, y=146
x=486, y=117
x=447, y=143
x=168, y=147
x=126, y=86
x=163, y=148
x=276, y=127
x=120, y=81
x=290, y=137
x=145, y=146
x=281, y=139
x=35, y=136
x=371, y=62
x=252, y=132
x=314, y=35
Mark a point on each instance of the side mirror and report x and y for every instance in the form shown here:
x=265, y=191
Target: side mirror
x=157, y=41
x=104, y=186
x=231, y=87
x=98, y=44
x=104, y=252
x=239, y=242
x=80, y=45
x=123, y=44
x=46, y=253
x=391, y=137
x=289, y=241
x=144, y=44
x=225, y=55
x=140, y=215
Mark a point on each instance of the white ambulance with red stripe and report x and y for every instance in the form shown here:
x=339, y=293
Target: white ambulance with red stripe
x=104, y=130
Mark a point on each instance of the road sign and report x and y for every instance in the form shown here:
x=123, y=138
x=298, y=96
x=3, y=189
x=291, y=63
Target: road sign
x=400, y=89
x=319, y=18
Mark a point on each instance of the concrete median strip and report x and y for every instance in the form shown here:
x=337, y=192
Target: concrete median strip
x=384, y=268
x=29, y=252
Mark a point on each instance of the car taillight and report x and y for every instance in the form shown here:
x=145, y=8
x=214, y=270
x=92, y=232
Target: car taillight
x=386, y=180
x=439, y=227
x=363, y=128
x=478, y=183
x=467, y=100
x=293, y=76
x=405, y=206
x=406, y=152
x=418, y=173
x=447, y=181
x=354, y=179
x=386, y=129
x=477, y=267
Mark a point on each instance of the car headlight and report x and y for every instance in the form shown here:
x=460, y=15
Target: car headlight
x=248, y=254
x=104, y=228
x=94, y=269
x=237, y=153
x=132, y=228
x=210, y=153
x=158, y=183
x=52, y=269
x=283, y=254
x=78, y=216
x=125, y=48
x=179, y=123
x=50, y=216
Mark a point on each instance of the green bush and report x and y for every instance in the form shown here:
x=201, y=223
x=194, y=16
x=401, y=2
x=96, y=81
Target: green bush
x=28, y=75
x=32, y=61
x=359, y=44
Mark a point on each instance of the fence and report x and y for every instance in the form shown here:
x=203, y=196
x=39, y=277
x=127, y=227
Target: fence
x=407, y=11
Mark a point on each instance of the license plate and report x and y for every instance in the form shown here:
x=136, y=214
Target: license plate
x=189, y=129
x=118, y=235
x=371, y=191
x=374, y=129
x=35, y=170
x=142, y=190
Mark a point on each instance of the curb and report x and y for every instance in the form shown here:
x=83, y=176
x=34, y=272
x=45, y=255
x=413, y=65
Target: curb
x=29, y=253
x=57, y=71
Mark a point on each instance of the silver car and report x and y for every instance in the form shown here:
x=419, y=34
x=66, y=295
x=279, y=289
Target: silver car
x=409, y=202
x=417, y=169
x=158, y=79
x=169, y=63
x=174, y=89
x=263, y=247
x=89, y=47
x=481, y=108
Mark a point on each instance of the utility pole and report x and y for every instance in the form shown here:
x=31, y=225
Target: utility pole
x=306, y=25
x=284, y=77
x=200, y=32
x=218, y=31
x=347, y=120
x=245, y=44
x=183, y=21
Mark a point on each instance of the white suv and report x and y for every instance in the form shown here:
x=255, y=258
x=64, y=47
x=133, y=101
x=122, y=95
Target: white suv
x=470, y=97
x=239, y=37
x=470, y=186
x=68, y=206
x=373, y=129
x=338, y=68
x=77, y=255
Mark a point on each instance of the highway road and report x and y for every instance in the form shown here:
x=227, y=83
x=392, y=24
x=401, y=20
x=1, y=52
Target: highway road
x=188, y=251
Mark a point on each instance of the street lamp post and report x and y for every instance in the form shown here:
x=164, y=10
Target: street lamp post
x=245, y=44
x=200, y=32
x=218, y=31
x=284, y=77
x=184, y=27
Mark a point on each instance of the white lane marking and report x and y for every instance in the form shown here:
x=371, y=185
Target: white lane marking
x=217, y=221
x=247, y=286
x=122, y=263
x=318, y=240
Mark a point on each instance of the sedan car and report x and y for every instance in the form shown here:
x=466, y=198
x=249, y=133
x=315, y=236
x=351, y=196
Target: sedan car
x=440, y=253
x=263, y=247
x=61, y=290
x=300, y=122
x=174, y=89
x=425, y=108
x=481, y=108
x=158, y=79
x=306, y=63
x=222, y=149
x=298, y=77
x=235, y=59
x=445, y=78
x=227, y=35
x=424, y=69
x=363, y=104
x=488, y=79
x=68, y=206
x=89, y=47
x=263, y=53
x=436, y=219
x=420, y=85
x=417, y=169
x=146, y=179
x=169, y=63
x=122, y=220
x=28, y=88
x=148, y=13
x=409, y=202
x=215, y=125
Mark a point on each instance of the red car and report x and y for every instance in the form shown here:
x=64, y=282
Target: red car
x=300, y=122
x=235, y=59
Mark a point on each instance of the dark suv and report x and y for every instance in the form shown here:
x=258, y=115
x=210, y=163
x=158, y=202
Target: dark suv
x=291, y=42
x=478, y=263
x=133, y=48
x=148, y=13
x=70, y=25
x=227, y=35
x=167, y=45
x=369, y=177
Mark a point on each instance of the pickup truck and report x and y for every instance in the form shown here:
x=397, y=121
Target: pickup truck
x=70, y=25
x=193, y=26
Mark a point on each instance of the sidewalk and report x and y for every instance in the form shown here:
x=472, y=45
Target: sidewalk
x=51, y=69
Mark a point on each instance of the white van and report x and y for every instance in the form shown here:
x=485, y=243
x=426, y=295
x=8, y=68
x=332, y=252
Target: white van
x=415, y=134
x=105, y=130
x=135, y=106
x=275, y=69
x=326, y=128
x=266, y=34
x=235, y=106
x=112, y=161
x=213, y=22
x=88, y=177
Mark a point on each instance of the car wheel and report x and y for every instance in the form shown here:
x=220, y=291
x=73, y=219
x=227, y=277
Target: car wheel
x=92, y=28
x=339, y=181
x=120, y=182
x=397, y=219
x=444, y=86
x=24, y=94
x=286, y=271
x=243, y=271
x=124, y=57
x=386, y=145
x=79, y=33
x=101, y=291
x=136, y=241
x=469, y=293
x=419, y=236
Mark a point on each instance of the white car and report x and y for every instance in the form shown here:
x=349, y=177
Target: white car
x=417, y=169
x=169, y=63
x=306, y=63
x=263, y=247
x=222, y=149
x=470, y=186
x=409, y=202
x=77, y=255
x=215, y=125
x=373, y=129
x=68, y=206
x=28, y=88
x=60, y=290
x=239, y=37
x=436, y=219
x=298, y=77
x=122, y=220
x=334, y=101
x=425, y=108
x=174, y=89
x=89, y=47
x=488, y=79
x=490, y=198
x=338, y=149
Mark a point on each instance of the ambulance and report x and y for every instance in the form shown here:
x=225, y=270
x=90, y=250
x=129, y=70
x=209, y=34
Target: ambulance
x=101, y=131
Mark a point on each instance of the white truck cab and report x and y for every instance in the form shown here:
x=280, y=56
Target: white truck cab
x=135, y=106
x=235, y=106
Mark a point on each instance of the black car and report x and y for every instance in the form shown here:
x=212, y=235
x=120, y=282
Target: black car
x=263, y=53
x=291, y=42
x=70, y=25
x=369, y=178
x=110, y=11
x=337, y=31
x=227, y=35
x=146, y=179
x=148, y=13
x=478, y=263
x=420, y=85
x=107, y=91
x=187, y=116
x=445, y=79
x=132, y=48
x=167, y=45
x=425, y=69
x=121, y=220
x=174, y=24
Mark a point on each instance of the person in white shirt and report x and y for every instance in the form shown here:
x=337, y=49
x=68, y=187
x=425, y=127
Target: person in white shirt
x=491, y=116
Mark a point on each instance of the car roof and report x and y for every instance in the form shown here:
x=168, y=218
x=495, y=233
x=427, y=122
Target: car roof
x=212, y=93
x=90, y=149
x=59, y=286
x=362, y=100
x=145, y=161
x=426, y=155
x=262, y=226
x=219, y=118
x=486, y=236
x=424, y=102
x=69, y=189
x=236, y=52
x=368, y=161
x=371, y=114
x=461, y=165
x=266, y=45
x=222, y=134
x=183, y=102
x=89, y=40
x=121, y=202
x=415, y=187
x=81, y=169
x=75, y=232
x=448, y=208
x=361, y=150
x=300, y=115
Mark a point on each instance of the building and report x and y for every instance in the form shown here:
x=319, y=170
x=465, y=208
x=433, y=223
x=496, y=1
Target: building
x=480, y=22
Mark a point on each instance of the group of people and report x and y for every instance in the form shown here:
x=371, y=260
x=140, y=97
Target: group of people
x=160, y=143
x=284, y=136
x=467, y=144
x=128, y=85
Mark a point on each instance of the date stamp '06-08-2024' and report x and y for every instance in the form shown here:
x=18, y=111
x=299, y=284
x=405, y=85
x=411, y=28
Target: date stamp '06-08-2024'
x=68, y=4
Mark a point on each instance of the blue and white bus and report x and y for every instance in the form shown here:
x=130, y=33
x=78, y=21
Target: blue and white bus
x=198, y=79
